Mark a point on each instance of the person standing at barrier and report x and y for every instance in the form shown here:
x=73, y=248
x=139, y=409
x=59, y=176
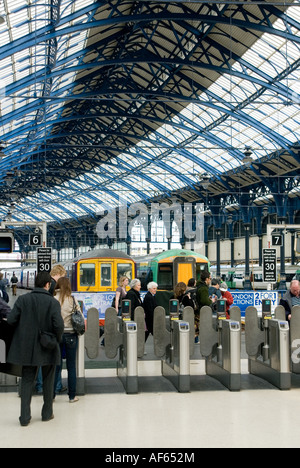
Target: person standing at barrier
x=121, y=293
x=149, y=307
x=3, y=284
x=192, y=291
x=58, y=271
x=203, y=298
x=134, y=295
x=183, y=295
x=291, y=299
x=36, y=316
x=228, y=296
x=63, y=294
x=214, y=289
x=4, y=308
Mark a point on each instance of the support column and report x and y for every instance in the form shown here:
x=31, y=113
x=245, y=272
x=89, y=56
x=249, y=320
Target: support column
x=282, y=283
x=247, y=285
x=218, y=236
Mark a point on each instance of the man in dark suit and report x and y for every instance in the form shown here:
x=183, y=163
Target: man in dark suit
x=32, y=313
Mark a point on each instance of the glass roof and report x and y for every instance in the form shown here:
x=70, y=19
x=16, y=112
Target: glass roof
x=255, y=103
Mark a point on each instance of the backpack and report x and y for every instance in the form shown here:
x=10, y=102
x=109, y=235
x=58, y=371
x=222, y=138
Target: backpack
x=193, y=295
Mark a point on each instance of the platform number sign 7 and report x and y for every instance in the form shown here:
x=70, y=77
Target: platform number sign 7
x=276, y=240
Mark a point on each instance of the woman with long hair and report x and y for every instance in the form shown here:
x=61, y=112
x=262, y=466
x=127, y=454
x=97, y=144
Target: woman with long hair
x=121, y=293
x=63, y=293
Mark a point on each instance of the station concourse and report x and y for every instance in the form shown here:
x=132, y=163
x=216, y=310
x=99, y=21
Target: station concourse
x=157, y=141
x=209, y=416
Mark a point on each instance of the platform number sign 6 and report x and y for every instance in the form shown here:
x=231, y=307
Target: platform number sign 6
x=35, y=240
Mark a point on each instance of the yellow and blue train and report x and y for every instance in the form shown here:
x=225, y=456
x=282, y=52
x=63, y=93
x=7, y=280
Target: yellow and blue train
x=95, y=275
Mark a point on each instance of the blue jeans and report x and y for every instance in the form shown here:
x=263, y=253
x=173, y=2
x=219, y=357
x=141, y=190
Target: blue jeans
x=70, y=342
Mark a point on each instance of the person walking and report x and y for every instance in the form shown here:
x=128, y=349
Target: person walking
x=14, y=281
x=63, y=294
x=36, y=315
x=134, y=295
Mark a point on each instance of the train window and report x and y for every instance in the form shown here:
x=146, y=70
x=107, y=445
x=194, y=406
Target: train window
x=200, y=267
x=87, y=274
x=258, y=277
x=165, y=277
x=105, y=274
x=124, y=269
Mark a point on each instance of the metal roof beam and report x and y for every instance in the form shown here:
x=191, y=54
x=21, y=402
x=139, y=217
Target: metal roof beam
x=46, y=34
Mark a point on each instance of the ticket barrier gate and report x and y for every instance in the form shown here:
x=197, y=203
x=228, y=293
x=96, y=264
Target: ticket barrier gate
x=172, y=344
x=125, y=338
x=295, y=340
x=9, y=373
x=220, y=344
x=268, y=345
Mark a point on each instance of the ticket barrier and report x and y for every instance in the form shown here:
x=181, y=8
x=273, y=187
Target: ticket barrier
x=268, y=345
x=295, y=340
x=172, y=344
x=125, y=338
x=9, y=373
x=220, y=344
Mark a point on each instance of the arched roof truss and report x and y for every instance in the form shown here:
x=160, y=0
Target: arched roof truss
x=109, y=101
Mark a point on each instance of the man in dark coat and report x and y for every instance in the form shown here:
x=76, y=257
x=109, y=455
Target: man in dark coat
x=203, y=298
x=34, y=312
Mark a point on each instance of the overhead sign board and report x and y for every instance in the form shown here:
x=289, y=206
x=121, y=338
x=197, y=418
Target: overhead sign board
x=269, y=265
x=7, y=242
x=44, y=259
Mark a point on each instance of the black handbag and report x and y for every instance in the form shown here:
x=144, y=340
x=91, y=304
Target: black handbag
x=77, y=320
x=48, y=340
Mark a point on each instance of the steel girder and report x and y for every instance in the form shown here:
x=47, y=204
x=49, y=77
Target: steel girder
x=149, y=115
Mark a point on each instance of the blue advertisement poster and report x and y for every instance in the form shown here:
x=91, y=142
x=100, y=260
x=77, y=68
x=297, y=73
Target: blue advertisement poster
x=244, y=299
x=100, y=301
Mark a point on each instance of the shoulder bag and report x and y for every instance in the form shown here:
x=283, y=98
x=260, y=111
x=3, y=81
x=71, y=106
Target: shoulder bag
x=47, y=339
x=77, y=320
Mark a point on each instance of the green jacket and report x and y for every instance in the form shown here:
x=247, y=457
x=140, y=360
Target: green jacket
x=203, y=295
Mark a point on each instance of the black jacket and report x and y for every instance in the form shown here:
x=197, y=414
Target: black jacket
x=286, y=302
x=4, y=309
x=31, y=313
x=135, y=298
x=149, y=307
